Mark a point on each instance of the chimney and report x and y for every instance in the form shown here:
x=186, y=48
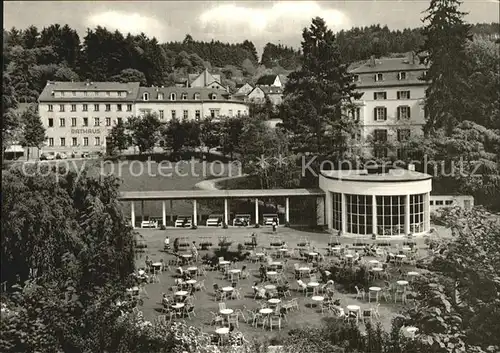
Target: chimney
x=372, y=61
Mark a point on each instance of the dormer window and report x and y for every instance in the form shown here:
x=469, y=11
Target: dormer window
x=160, y=96
x=379, y=77
x=184, y=96
x=145, y=96
x=355, y=78
x=173, y=96
x=402, y=76
x=197, y=96
x=214, y=96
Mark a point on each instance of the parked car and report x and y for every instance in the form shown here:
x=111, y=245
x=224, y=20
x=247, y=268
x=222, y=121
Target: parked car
x=183, y=221
x=214, y=220
x=267, y=219
x=47, y=156
x=61, y=155
x=150, y=223
x=85, y=155
x=241, y=220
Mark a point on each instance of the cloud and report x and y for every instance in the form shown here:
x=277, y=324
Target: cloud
x=284, y=18
x=128, y=22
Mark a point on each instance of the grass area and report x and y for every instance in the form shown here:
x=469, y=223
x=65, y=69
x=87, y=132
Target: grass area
x=205, y=302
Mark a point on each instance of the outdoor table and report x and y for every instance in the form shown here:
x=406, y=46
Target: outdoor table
x=141, y=272
x=401, y=256
x=191, y=281
x=313, y=284
x=274, y=301
x=235, y=270
x=376, y=290
x=317, y=298
x=222, y=331
x=349, y=256
x=266, y=311
x=377, y=269
x=413, y=273
x=181, y=293
x=227, y=289
x=275, y=263
x=402, y=283
x=336, y=248
x=406, y=248
x=260, y=254
x=192, y=269
x=224, y=263
x=226, y=311
x=272, y=273
x=156, y=264
x=187, y=256
x=313, y=254
x=283, y=250
x=178, y=307
x=270, y=287
x=304, y=269
x=374, y=262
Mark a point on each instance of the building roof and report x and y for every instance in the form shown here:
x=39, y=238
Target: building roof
x=392, y=175
x=205, y=93
x=271, y=90
x=207, y=77
x=266, y=80
x=389, y=64
x=47, y=94
x=207, y=194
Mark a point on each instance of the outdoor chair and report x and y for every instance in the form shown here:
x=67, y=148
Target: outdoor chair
x=360, y=293
x=375, y=311
x=233, y=320
x=367, y=315
x=302, y=287
x=216, y=319
x=236, y=294
x=240, y=312
x=175, y=289
x=188, y=310
x=222, y=306
x=273, y=321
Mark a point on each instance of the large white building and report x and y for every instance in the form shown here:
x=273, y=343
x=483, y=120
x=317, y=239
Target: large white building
x=78, y=116
x=391, y=107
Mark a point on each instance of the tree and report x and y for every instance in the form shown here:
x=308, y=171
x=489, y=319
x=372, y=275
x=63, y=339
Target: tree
x=31, y=37
x=458, y=302
x=230, y=133
x=10, y=120
x=145, y=131
x=265, y=153
x=250, y=47
x=22, y=72
x=130, y=75
x=209, y=135
x=33, y=134
x=446, y=36
x=66, y=74
x=317, y=96
x=119, y=138
x=69, y=253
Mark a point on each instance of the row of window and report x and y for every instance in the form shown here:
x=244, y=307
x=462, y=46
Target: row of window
x=399, y=95
x=74, y=141
x=85, y=107
x=214, y=113
x=85, y=122
x=402, y=112
x=91, y=93
x=380, y=135
x=401, y=76
x=173, y=96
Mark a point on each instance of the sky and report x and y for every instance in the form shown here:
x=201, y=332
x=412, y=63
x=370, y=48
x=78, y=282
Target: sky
x=229, y=21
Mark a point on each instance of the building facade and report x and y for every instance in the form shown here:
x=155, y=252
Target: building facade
x=188, y=103
x=78, y=116
x=391, y=108
x=393, y=202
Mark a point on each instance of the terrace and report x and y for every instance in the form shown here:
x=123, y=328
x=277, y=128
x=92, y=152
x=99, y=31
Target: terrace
x=383, y=287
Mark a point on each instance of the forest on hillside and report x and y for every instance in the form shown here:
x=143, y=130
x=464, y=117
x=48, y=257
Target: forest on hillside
x=32, y=56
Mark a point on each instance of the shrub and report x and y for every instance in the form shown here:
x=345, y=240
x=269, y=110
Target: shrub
x=224, y=225
x=194, y=227
x=163, y=227
x=257, y=225
x=176, y=245
x=241, y=247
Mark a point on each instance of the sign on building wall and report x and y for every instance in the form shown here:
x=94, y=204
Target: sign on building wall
x=86, y=131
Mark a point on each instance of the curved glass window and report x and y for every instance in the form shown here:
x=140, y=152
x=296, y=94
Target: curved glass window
x=359, y=214
x=390, y=215
x=417, y=213
x=337, y=211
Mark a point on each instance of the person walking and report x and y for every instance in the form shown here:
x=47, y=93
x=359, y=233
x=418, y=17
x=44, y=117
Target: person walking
x=254, y=240
x=275, y=225
x=194, y=251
